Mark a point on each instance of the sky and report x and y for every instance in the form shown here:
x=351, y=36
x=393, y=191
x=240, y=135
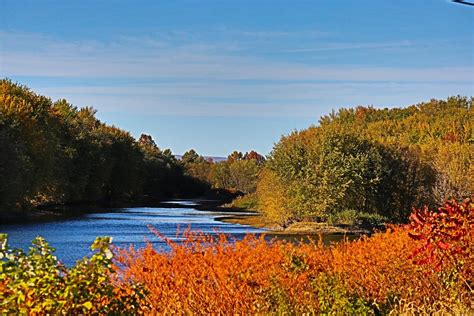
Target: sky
x=219, y=76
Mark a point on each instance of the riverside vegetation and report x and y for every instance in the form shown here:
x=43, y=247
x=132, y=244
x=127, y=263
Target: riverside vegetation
x=371, y=163
x=359, y=167
x=56, y=153
x=425, y=267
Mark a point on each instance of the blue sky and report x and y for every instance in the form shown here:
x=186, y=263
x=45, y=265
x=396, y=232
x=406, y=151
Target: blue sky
x=224, y=75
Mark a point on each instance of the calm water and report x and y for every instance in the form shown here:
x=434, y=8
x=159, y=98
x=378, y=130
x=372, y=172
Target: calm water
x=72, y=237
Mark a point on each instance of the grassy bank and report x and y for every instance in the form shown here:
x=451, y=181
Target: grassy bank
x=348, y=222
x=300, y=228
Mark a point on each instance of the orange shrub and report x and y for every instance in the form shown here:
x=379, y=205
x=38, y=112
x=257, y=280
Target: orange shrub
x=374, y=274
x=378, y=268
x=205, y=274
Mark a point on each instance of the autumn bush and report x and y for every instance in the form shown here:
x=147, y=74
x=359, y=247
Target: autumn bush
x=354, y=218
x=446, y=234
x=373, y=275
x=36, y=283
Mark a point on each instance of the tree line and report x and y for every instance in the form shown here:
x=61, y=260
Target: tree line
x=360, y=160
x=238, y=173
x=54, y=152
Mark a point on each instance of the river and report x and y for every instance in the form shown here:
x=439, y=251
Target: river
x=72, y=237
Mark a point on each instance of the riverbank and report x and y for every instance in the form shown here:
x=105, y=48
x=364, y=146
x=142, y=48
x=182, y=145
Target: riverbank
x=211, y=201
x=247, y=207
x=300, y=228
x=249, y=216
x=50, y=212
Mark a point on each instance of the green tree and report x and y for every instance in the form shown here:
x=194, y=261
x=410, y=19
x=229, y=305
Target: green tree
x=326, y=173
x=53, y=152
x=243, y=175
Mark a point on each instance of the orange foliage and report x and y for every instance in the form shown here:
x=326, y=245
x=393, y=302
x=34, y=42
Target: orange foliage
x=208, y=274
x=205, y=275
x=378, y=267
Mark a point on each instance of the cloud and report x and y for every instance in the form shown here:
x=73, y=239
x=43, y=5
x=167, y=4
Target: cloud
x=262, y=99
x=145, y=57
x=188, y=77
x=351, y=46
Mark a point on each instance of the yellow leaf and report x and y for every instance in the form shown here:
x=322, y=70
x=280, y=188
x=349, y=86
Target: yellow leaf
x=87, y=305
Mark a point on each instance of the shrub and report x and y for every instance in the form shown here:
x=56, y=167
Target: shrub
x=209, y=274
x=247, y=202
x=446, y=237
x=373, y=275
x=272, y=198
x=357, y=219
x=37, y=283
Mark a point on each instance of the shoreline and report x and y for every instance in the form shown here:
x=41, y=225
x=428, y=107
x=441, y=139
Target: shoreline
x=257, y=220
x=209, y=200
x=204, y=203
x=49, y=212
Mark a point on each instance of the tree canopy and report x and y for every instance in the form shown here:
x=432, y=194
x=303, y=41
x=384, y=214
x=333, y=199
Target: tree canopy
x=379, y=161
x=54, y=152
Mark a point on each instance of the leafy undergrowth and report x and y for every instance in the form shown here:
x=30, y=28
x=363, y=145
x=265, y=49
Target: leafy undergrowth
x=352, y=218
x=37, y=283
x=247, y=202
x=424, y=267
x=380, y=274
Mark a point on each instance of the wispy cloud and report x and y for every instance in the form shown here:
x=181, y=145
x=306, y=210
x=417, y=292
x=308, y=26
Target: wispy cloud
x=204, y=78
x=30, y=55
x=258, y=99
x=278, y=34
x=351, y=46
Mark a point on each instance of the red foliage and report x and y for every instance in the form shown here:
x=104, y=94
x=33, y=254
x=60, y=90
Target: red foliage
x=446, y=234
x=253, y=155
